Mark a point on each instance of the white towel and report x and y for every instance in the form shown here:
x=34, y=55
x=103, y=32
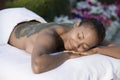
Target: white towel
x=10, y=17
x=15, y=64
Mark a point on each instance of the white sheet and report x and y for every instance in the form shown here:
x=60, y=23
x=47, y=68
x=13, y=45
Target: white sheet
x=15, y=64
x=10, y=17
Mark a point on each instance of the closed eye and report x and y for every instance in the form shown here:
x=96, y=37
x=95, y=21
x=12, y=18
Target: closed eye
x=79, y=38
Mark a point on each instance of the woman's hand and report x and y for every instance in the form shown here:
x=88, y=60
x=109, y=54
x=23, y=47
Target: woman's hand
x=89, y=52
x=73, y=54
x=85, y=53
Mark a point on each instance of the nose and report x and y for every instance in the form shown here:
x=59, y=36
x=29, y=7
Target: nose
x=78, y=46
x=80, y=49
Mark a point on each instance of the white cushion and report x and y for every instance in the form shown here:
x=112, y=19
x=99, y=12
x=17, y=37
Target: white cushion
x=10, y=17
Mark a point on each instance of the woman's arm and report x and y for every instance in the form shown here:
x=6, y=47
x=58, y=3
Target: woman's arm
x=47, y=62
x=110, y=49
x=42, y=59
x=106, y=48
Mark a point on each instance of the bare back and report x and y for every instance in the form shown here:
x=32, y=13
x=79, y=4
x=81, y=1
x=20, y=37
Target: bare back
x=25, y=34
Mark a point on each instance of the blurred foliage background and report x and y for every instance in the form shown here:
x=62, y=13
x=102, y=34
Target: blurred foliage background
x=48, y=9
x=45, y=8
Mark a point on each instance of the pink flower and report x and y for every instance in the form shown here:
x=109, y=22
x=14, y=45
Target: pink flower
x=118, y=11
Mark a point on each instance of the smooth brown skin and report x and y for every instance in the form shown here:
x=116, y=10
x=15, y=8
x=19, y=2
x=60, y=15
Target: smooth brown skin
x=58, y=37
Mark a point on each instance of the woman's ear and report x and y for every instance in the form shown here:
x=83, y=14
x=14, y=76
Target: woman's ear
x=77, y=24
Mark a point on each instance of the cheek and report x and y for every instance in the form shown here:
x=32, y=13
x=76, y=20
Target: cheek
x=66, y=45
x=73, y=34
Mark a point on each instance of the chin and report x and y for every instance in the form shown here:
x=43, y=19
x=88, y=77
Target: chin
x=66, y=48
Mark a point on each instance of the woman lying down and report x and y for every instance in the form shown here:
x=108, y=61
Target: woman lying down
x=79, y=39
x=75, y=40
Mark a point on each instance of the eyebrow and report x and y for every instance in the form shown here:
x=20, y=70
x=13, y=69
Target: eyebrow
x=83, y=35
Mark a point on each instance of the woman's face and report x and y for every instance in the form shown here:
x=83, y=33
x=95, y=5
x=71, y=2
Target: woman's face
x=81, y=38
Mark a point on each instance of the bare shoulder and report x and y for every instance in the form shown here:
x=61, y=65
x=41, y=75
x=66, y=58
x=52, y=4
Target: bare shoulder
x=48, y=41
x=53, y=27
x=63, y=27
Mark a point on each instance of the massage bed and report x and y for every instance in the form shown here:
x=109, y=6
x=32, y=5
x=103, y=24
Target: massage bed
x=15, y=64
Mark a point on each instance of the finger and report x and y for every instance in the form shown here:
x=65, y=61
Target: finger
x=74, y=52
x=87, y=53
